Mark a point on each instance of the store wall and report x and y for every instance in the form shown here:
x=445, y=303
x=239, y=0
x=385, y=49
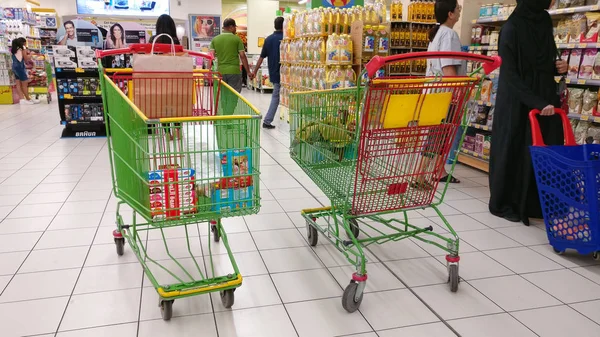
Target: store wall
x=261, y=14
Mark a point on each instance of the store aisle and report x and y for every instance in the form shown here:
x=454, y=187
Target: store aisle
x=60, y=275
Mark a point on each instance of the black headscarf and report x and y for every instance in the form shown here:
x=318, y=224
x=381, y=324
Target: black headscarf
x=536, y=41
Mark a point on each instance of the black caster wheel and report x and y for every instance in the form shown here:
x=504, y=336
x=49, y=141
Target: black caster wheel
x=216, y=233
x=312, y=234
x=350, y=302
x=227, y=298
x=120, y=243
x=354, y=227
x=561, y=252
x=596, y=256
x=453, y=277
x=166, y=309
x=262, y=91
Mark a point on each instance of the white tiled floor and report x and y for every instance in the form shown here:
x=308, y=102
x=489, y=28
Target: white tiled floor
x=60, y=275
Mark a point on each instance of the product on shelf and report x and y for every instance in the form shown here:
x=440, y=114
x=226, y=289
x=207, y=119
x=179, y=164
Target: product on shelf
x=574, y=62
x=590, y=102
x=496, y=10
x=587, y=63
x=591, y=34
x=421, y=11
x=581, y=131
x=593, y=135
x=575, y=100
x=396, y=10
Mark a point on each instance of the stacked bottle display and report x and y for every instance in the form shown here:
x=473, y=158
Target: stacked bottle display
x=396, y=10
x=422, y=11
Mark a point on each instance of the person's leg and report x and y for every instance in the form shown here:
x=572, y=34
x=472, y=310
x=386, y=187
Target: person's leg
x=25, y=89
x=273, y=106
x=19, y=89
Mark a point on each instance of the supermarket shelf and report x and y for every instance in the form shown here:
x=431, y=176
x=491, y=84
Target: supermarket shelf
x=562, y=11
x=49, y=28
x=594, y=119
x=474, y=162
x=475, y=155
x=480, y=127
x=404, y=48
x=579, y=81
x=577, y=45
x=483, y=47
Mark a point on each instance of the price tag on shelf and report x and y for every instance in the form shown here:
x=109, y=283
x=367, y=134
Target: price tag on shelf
x=595, y=8
x=79, y=70
x=68, y=96
x=86, y=93
x=584, y=117
x=567, y=80
x=474, y=21
x=485, y=128
x=570, y=46
x=98, y=92
x=569, y=10
x=582, y=45
x=476, y=154
x=495, y=19
x=581, y=81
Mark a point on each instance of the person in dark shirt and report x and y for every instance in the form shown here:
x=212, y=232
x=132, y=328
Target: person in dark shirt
x=270, y=50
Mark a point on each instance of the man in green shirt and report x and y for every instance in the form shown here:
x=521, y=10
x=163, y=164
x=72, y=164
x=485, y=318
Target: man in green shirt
x=229, y=49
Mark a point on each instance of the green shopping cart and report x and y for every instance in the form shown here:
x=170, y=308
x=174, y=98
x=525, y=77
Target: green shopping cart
x=377, y=150
x=180, y=171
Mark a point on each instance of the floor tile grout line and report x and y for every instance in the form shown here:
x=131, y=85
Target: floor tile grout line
x=210, y=298
x=86, y=255
x=272, y=281
x=38, y=240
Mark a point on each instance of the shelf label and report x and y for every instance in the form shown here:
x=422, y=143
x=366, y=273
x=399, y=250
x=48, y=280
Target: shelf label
x=68, y=96
x=580, y=81
x=582, y=45
x=567, y=80
x=569, y=10
x=494, y=19
x=86, y=93
x=98, y=93
x=570, y=45
x=594, y=8
x=584, y=117
x=474, y=21
x=79, y=70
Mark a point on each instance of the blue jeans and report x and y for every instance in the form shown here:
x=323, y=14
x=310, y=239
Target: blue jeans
x=274, y=105
x=454, y=150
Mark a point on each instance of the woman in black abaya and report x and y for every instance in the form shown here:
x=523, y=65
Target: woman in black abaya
x=529, y=64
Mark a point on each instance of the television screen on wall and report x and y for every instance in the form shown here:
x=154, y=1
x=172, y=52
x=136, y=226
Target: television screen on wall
x=123, y=7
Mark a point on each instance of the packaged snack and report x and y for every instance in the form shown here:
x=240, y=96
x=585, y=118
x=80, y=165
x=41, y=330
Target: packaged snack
x=561, y=32
x=587, y=63
x=564, y=55
x=486, y=91
x=593, y=135
x=578, y=27
x=564, y=3
x=592, y=28
x=590, y=102
x=574, y=62
x=596, y=69
x=581, y=131
x=577, y=3
x=482, y=114
x=574, y=123
x=575, y=100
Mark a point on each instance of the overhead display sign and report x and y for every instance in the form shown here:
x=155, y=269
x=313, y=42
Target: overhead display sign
x=123, y=7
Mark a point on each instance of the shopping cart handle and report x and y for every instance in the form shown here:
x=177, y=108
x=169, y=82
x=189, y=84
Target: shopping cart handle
x=536, y=133
x=489, y=63
x=146, y=48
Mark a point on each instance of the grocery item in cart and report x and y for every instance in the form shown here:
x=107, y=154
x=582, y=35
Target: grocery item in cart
x=172, y=192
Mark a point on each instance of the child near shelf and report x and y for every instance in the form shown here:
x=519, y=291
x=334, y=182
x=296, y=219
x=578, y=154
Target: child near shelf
x=20, y=56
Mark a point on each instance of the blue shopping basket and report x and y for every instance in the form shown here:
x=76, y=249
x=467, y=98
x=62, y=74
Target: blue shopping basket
x=568, y=181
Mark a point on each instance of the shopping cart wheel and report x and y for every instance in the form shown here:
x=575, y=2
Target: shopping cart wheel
x=351, y=300
x=120, y=243
x=453, y=277
x=227, y=298
x=166, y=309
x=596, y=256
x=559, y=252
x=216, y=232
x=312, y=234
x=354, y=227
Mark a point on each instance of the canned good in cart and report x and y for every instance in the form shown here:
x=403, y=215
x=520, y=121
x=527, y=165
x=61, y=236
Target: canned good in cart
x=189, y=157
x=375, y=151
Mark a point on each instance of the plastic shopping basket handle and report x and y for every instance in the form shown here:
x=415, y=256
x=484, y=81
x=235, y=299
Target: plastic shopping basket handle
x=536, y=133
x=489, y=63
x=146, y=48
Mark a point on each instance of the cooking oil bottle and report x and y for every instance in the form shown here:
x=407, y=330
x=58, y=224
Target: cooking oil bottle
x=383, y=45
